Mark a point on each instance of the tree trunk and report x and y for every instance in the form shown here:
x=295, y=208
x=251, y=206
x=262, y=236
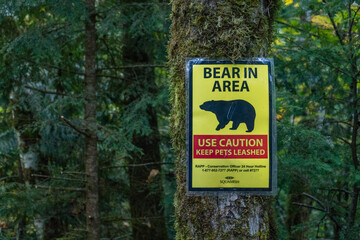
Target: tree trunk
x=91, y=162
x=216, y=29
x=296, y=215
x=146, y=208
x=355, y=123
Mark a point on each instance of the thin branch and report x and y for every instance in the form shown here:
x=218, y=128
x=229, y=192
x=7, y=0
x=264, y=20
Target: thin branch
x=296, y=28
x=57, y=29
x=338, y=122
x=336, y=29
x=337, y=190
x=108, y=76
x=60, y=188
x=4, y=178
x=331, y=216
x=320, y=209
x=139, y=165
x=121, y=6
x=57, y=178
x=74, y=127
x=344, y=140
x=135, y=66
x=309, y=206
x=318, y=226
x=352, y=19
x=103, y=39
x=130, y=219
x=332, y=66
x=315, y=199
x=337, y=32
x=71, y=172
x=325, y=62
x=80, y=229
x=48, y=91
x=46, y=65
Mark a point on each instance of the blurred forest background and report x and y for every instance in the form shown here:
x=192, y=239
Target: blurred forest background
x=44, y=126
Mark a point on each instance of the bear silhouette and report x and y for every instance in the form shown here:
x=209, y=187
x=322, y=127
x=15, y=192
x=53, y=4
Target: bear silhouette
x=237, y=111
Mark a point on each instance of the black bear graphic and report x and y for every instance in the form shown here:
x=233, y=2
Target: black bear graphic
x=238, y=111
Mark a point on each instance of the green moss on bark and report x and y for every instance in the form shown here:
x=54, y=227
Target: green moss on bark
x=230, y=29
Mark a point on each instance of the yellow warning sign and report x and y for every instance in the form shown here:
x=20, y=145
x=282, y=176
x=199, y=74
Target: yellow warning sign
x=230, y=125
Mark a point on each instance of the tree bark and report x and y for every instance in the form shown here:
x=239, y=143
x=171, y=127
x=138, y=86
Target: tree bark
x=91, y=161
x=216, y=29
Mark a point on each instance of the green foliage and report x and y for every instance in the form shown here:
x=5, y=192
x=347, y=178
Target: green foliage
x=317, y=54
x=310, y=159
x=41, y=80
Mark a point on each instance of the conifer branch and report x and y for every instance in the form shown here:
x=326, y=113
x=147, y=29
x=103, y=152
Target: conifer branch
x=135, y=66
x=8, y=177
x=344, y=140
x=57, y=178
x=332, y=66
x=103, y=39
x=127, y=67
x=60, y=188
x=69, y=172
x=74, y=127
x=45, y=91
x=108, y=76
x=139, y=165
x=57, y=29
x=296, y=28
x=130, y=219
x=309, y=206
x=337, y=190
x=80, y=230
x=331, y=215
x=47, y=65
x=314, y=198
x=339, y=122
x=121, y=6
x=325, y=62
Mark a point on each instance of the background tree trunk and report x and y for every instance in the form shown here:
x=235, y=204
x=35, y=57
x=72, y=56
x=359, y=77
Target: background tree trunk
x=296, y=215
x=91, y=162
x=216, y=29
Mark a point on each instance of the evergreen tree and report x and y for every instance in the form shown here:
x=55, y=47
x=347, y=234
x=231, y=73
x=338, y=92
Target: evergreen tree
x=43, y=63
x=145, y=181
x=317, y=53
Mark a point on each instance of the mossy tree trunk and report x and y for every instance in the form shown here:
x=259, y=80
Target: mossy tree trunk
x=216, y=29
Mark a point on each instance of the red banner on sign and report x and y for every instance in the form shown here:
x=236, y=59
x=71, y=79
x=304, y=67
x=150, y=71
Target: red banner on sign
x=230, y=146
